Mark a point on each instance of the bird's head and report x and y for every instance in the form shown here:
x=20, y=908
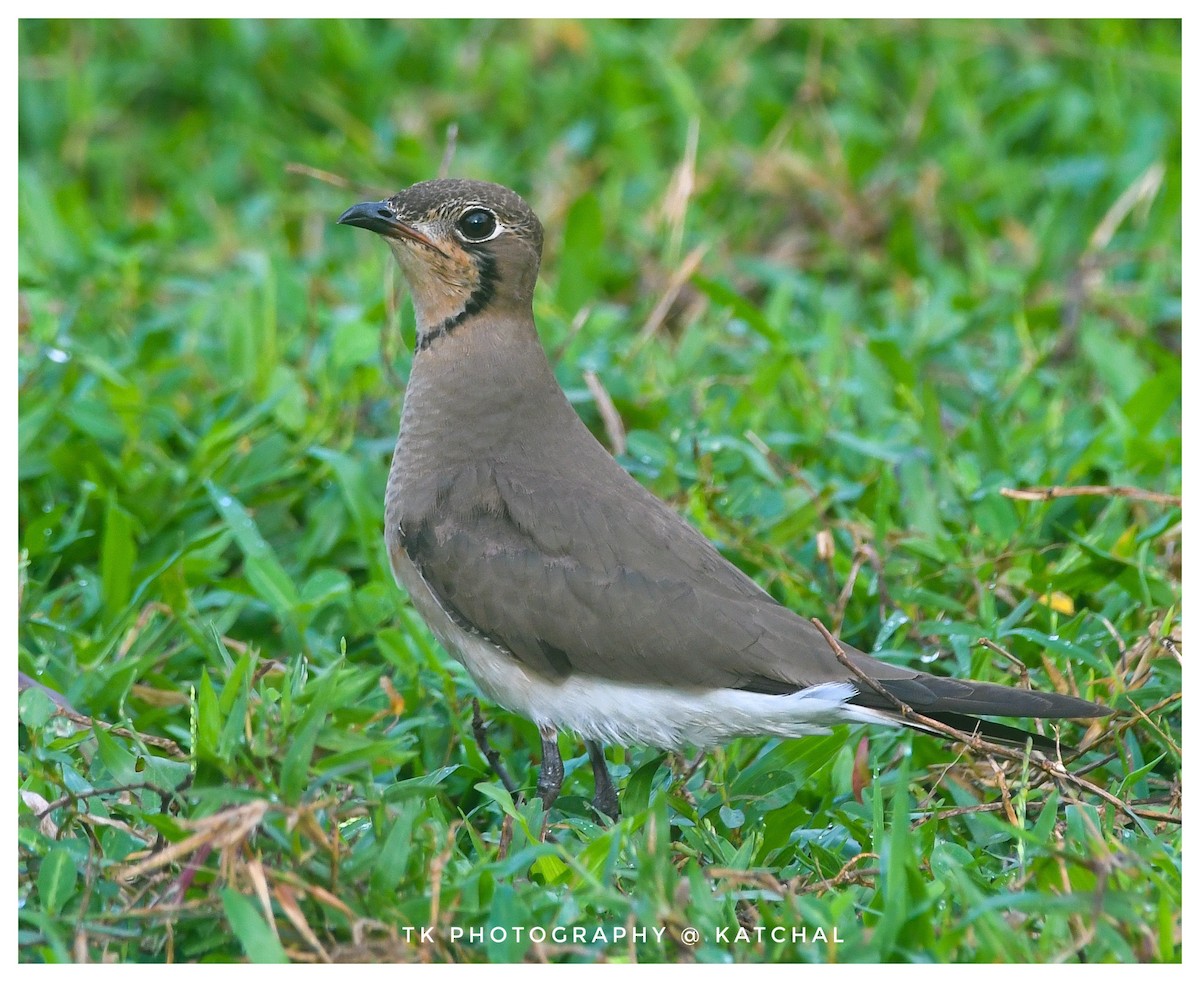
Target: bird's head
x=464, y=247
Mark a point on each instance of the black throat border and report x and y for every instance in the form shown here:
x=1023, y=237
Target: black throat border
x=481, y=296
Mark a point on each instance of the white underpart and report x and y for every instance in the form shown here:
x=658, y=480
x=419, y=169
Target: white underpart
x=628, y=713
x=671, y=718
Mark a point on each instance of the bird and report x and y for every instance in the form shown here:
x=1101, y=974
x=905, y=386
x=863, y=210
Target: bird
x=573, y=596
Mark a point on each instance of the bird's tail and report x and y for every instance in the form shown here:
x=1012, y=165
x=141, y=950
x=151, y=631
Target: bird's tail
x=959, y=703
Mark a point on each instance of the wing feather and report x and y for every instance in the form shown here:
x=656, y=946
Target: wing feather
x=572, y=577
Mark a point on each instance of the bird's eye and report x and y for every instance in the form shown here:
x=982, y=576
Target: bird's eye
x=477, y=224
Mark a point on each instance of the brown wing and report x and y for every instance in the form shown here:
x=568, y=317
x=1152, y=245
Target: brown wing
x=572, y=576
x=569, y=581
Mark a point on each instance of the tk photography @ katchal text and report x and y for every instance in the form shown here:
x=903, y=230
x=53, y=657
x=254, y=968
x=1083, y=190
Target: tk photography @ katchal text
x=690, y=936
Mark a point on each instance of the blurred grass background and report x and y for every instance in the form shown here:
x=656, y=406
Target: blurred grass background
x=843, y=282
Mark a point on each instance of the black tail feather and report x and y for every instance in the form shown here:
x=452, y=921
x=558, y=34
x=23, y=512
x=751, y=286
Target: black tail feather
x=1012, y=736
x=959, y=703
x=930, y=694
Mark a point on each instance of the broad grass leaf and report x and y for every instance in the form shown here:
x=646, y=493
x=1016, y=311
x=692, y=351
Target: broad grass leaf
x=57, y=878
x=254, y=934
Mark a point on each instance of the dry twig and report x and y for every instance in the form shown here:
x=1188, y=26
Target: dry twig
x=1092, y=490
x=613, y=426
x=1054, y=770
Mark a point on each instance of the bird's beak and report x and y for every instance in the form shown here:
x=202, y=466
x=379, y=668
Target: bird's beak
x=377, y=216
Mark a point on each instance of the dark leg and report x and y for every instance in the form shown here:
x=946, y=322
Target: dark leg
x=550, y=777
x=605, y=800
x=493, y=758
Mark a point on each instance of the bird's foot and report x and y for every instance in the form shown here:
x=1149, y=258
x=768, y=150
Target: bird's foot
x=605, y=800
x=550, y=776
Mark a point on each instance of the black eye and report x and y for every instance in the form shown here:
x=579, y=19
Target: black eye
x=477, y=224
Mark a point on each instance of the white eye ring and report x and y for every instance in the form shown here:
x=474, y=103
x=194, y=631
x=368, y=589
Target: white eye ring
x=482, y=227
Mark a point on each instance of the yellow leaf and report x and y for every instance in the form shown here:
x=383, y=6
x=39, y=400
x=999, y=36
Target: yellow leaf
x=394, y=698
x=1058, y=602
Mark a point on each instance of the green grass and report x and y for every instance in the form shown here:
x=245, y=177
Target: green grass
x=939, y=260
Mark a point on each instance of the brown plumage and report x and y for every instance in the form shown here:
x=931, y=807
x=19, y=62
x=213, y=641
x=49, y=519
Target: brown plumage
x=570, y=592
